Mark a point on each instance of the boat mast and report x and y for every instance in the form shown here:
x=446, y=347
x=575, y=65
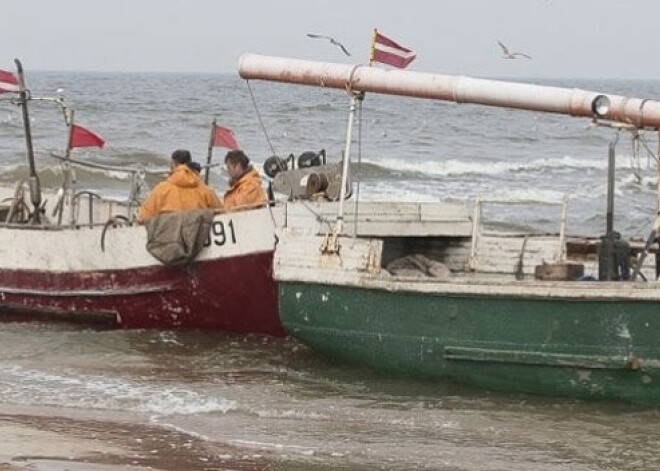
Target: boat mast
x=35, y=189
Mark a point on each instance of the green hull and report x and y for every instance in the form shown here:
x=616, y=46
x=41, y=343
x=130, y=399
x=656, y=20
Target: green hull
x=604, y=349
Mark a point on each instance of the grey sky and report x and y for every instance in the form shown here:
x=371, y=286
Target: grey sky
x=567, y=38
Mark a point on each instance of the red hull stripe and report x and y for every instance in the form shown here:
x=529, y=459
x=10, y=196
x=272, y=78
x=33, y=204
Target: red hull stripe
x=237, y=294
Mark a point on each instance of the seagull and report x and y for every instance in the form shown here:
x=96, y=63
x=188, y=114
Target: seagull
x=331, y=39
x=506, y=54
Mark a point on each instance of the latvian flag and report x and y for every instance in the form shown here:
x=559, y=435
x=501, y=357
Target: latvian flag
x=8, y=82
x=386, y=51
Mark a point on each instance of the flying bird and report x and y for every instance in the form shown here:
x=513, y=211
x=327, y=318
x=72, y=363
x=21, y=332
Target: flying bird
x=332, y=41
x=506, y=54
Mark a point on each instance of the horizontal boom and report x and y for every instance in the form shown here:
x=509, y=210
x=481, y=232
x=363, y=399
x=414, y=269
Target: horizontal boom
x=460, y=89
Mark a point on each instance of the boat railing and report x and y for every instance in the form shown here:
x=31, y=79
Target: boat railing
x=14, y=208
x=88, y=208
x=137, y=169
x=560, y=255
x=137, y=185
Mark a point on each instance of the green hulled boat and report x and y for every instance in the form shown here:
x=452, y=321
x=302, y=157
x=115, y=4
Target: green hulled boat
x=573, y=338
x=408, y=305
x=426, y=290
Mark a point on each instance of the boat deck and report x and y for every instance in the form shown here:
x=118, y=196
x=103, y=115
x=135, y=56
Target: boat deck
x=438, y=247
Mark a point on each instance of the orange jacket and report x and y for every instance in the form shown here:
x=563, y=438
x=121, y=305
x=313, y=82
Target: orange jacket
x=180, y=191
x=246, y=191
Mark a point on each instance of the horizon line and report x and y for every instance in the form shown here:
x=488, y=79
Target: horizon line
x=208, y=72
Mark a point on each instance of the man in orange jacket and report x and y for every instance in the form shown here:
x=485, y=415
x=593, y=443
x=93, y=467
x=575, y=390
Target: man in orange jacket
x=245, y=189
x=181, y=190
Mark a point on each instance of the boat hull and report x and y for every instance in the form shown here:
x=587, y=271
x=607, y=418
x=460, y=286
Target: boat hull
x=591, y=348
x=105, y=276
x=232, y=295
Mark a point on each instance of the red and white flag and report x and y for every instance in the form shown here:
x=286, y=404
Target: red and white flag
x=8, y=82
x=223, y=137
x=81, y=137
x=386, y=51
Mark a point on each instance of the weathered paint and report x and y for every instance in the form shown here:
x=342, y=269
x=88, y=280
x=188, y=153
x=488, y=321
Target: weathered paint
x=79, y=249
x=233, y=295
x=53, y=275
x=572, y=347
x=456, y=88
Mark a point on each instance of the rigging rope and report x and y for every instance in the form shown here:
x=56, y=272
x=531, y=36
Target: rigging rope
x=648, y=149
x=319, y=217
x=634, y=157
x=639, y=139
x=261, y=121
x=270, y=144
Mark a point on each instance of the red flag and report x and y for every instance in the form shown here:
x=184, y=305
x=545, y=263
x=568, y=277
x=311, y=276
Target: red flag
x=8, y=82
x=223, y=137
x=81, y=137
x=386, y=51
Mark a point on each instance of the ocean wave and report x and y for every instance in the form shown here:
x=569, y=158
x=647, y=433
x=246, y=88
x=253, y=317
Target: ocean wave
x=512, y=195
x=32, y=387
x=413, y=150
x=457, y=167
x=532, y=195
x=52, y=177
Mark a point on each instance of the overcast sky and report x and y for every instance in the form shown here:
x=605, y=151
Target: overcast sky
x=566, y=38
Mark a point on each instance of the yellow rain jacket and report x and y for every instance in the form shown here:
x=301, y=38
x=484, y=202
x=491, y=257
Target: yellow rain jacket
x=245, y=192
x=181, y=190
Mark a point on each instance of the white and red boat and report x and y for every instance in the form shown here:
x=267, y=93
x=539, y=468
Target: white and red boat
x=63, y=273
x=90, y=264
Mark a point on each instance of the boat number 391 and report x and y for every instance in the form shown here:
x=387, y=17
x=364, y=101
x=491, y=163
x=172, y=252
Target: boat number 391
x=221, y=233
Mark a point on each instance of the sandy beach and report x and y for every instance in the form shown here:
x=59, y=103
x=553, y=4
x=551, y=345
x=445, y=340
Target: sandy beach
x=52, y=443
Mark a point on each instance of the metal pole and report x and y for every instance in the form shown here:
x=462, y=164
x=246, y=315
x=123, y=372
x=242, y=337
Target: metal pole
x=610, y=185
x=638, y=112
x=562, y=230
x=209, y=155
x=35, y=189
x=344, y=172
x=476, y=221
x=657, y=170
x=356, y=208
x=67, y=168
x=372, y=50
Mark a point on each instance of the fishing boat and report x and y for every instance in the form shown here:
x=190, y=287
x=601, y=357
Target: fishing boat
x=427, y=290
x=82, y=258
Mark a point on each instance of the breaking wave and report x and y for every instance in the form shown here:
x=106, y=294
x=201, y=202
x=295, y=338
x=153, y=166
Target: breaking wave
x=31, y=387
x=456, y=167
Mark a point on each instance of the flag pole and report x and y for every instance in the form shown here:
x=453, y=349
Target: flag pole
x=67, y=154
x=35, y=188
x=209, y=156
x=372, y=51
x=67, y=170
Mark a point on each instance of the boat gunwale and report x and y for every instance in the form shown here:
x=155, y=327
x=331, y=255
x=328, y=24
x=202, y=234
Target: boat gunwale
x=478, y=285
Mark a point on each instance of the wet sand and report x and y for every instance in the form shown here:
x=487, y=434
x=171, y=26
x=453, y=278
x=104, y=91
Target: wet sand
x=47, y=443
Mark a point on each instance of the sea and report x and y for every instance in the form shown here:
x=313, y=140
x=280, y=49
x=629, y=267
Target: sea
x=188, y=400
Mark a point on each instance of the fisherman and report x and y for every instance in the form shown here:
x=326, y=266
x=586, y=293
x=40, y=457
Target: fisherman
x=197, y=168
x=245, y=190
x=182, y=190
